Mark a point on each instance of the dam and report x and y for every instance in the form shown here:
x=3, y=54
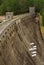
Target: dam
x=21, y=41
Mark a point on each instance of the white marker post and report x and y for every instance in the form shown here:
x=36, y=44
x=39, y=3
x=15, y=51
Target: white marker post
x=33, y=49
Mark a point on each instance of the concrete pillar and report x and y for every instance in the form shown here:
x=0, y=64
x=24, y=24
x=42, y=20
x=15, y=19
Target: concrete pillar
x=9, y=15
x=32, y=10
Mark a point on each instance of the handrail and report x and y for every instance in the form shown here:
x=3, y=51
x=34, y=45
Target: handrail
x=6, y=25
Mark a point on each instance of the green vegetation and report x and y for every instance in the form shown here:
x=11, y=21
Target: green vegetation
x=42, y=30
x=21, y=6
x=43, y=18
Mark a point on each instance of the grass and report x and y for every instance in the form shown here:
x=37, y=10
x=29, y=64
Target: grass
x=42, y=30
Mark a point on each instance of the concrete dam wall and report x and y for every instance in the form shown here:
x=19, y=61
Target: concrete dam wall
x=17, y=37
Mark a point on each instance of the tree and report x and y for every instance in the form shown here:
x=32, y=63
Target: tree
x=20, y=6
x=1, y=2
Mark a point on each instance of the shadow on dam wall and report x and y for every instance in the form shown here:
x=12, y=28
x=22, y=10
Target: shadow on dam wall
x=15, y=43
